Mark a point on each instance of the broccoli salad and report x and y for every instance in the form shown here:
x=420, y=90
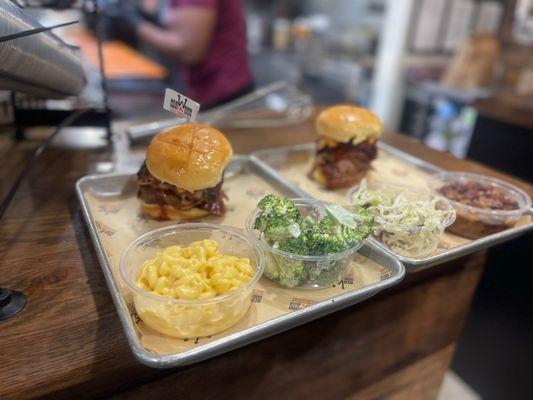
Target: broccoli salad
x=409, y=225
x=309, y=230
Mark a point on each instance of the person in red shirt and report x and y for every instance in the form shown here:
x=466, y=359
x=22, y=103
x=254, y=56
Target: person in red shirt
x=207, y=38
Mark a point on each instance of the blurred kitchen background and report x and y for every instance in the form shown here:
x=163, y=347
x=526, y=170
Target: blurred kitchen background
x=456, y=74
x=437, y=70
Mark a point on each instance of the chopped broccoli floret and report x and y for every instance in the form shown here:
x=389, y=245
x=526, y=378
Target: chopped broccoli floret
x=291, y=272
x=288, y=272
x=279, y=219
x=320, y=243
x=325, y=231
x=294, y=245
x=327, y=223
x=276, y=206
x=365, y=221
x=335, y=230
x=338, y=230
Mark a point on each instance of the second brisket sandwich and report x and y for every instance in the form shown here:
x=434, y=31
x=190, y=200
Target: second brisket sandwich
x=347, y=146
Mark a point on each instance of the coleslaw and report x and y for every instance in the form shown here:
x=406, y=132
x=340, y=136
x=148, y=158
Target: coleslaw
x=409, y=222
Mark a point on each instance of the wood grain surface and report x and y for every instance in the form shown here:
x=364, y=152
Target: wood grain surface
x=514, y=110
x=68, y=342
x=338, y=355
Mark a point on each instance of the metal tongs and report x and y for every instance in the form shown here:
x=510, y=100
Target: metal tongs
x=277, y=104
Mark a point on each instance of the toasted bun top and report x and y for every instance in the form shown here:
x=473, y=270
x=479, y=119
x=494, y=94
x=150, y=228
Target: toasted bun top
x=345, y=123
x=190, y=156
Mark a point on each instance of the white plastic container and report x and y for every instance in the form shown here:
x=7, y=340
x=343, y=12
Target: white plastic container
x=190, y=318
x=475, y=222
x=301, y=271
x=415, y=241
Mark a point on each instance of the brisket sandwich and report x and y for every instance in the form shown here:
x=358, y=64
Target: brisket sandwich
x=347, y=146
x=183, y=173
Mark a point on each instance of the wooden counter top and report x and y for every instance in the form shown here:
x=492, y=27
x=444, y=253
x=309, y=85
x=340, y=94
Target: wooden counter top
x=68, y=341
x=511, y=109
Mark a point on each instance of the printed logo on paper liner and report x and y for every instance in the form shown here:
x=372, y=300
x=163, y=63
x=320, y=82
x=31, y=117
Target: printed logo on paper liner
x=444, y=245
x=134, y=316
x=299, y=304
x=384, y=273
x=257, y=296
x=346, y=280
x=197, y=340
x=106, y=230
x=109, y=208
x=400, y=172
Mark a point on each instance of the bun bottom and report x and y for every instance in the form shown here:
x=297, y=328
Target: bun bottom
x=167, y=212
x=318, y=176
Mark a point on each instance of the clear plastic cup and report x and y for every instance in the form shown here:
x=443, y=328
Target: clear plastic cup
x=412, y=242
x=190, y=318
x=299, y=271
x=474, y=222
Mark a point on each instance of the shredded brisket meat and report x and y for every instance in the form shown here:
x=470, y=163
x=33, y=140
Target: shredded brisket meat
x=153, y=191
x=344, y=164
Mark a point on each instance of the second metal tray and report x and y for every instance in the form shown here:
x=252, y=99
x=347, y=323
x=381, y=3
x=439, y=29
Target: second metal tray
x=275, y=162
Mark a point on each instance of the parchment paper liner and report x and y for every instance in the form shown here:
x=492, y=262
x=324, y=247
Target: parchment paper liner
x=118, y=222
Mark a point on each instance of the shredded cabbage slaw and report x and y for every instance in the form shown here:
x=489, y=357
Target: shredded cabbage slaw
x=408, y=225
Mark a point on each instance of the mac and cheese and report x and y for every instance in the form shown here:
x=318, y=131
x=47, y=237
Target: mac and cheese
x=199, y=271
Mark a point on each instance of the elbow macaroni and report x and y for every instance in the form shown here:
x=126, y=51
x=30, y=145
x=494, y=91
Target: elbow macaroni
x=199, y=271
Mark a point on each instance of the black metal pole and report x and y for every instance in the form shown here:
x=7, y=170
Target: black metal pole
x=18, y=135
x=100, y=37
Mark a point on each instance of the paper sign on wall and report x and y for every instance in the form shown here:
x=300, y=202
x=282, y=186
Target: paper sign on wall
x=180, y=105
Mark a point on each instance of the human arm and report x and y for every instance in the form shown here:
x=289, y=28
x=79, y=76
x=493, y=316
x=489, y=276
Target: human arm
x=188, y=34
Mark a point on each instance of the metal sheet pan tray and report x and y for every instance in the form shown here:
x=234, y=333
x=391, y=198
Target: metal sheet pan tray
x=292, y=164
x=110, y=208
